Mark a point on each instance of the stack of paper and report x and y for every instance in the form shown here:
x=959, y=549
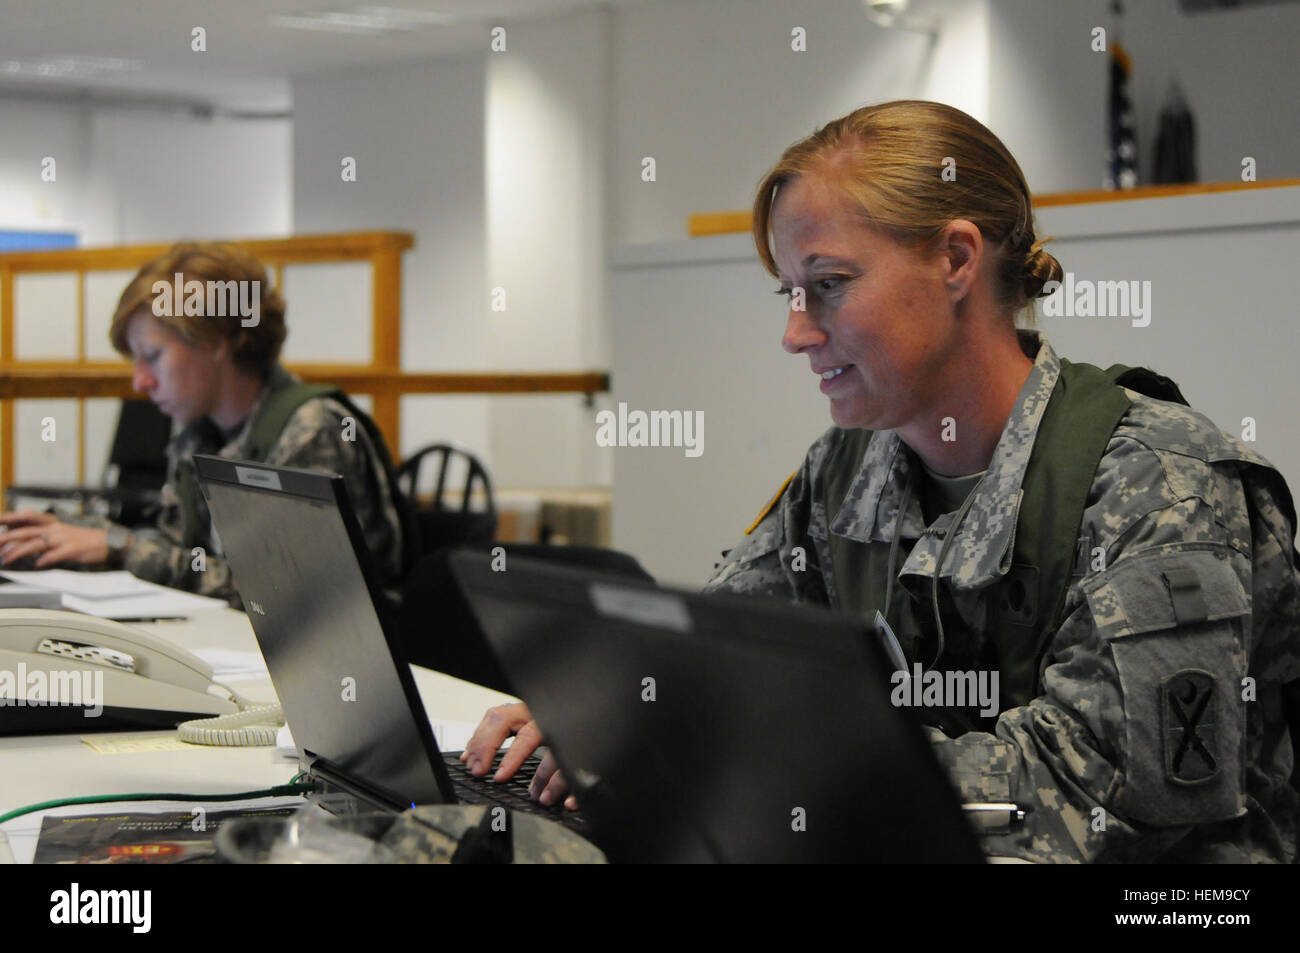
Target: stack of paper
x=116, y=595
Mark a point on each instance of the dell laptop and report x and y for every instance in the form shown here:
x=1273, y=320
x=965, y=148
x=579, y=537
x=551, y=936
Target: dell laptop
x=717, y=727
x=304, y=572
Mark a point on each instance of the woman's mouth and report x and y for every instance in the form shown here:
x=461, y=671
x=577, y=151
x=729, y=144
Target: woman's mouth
x=833, y=378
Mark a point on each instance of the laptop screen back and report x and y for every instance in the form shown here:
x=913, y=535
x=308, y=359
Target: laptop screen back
x=346, y=696
x=717, y=727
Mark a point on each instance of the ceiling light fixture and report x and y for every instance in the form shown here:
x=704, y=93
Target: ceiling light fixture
x=364, y=20
x=74, y=67
x=892, y=15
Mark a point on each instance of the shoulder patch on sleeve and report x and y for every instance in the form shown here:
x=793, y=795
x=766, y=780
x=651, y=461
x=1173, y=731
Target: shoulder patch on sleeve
x=1187, y=722
x=770, y=503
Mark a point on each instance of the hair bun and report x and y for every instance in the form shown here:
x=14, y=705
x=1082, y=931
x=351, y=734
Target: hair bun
x=1039, y=268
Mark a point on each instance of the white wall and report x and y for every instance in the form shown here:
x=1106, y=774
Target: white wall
x=1240, y=72
x=957, y=65
x=547, y=107
x=1238, y=69
x=712, y=90
x=417, y=135
x=1222, y=295
x=120, y=178
x=172, y=178
x=1222, y=325
x=496, y=163
x=1047, y=90
x=131, y=177
x=30, y=132
x=522, y=169
x=696, y=328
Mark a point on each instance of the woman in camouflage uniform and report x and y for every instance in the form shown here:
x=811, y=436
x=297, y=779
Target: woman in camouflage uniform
x=1148, y=639
x=214, y=376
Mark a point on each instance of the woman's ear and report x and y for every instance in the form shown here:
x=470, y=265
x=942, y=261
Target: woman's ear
x=962, y=248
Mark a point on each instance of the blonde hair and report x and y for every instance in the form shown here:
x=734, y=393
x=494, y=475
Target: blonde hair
x=255, y=348
x=889, y=160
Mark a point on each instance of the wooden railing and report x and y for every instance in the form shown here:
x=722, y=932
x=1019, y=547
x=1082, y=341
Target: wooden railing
x=732, y=222
x=382, y=378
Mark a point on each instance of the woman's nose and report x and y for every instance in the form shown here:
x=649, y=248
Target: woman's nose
x=801, y=329
x=142, y=380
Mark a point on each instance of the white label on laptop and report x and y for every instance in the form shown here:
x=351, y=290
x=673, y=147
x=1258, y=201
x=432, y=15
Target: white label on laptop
x=660, y=609
x=263, y=478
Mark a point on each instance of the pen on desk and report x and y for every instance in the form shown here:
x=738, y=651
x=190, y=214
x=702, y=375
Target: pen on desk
x=148, y=618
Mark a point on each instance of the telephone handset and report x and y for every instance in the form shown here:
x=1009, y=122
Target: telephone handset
x=63, y=671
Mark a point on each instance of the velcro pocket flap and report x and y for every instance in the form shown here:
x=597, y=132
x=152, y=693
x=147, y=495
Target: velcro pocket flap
x=1164, y=588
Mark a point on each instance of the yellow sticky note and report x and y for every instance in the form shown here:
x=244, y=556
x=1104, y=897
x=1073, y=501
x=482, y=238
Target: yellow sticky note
x=135, y=742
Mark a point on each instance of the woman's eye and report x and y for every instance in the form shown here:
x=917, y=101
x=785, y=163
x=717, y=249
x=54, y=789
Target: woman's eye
x=827, y=284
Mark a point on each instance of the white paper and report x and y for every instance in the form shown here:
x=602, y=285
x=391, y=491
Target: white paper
x=117, y=595
x=231, y=665
x=87, y=585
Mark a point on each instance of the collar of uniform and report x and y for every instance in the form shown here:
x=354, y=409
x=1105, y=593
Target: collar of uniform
x=278, y=379
x=981, y=551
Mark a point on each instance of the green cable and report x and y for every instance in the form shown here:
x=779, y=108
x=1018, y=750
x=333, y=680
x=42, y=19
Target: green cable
x=282, y=790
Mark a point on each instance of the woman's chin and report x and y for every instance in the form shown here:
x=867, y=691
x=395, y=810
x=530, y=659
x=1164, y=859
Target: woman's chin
x=847, y=415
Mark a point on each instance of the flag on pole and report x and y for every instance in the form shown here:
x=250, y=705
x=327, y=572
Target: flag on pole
x=1121, y=154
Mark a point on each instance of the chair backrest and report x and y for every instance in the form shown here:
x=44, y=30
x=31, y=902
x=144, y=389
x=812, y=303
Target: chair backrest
x=139, y=456
x=440, y=526
x=441, y=455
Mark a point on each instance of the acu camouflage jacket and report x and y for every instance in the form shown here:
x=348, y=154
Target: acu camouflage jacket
x=1115, y=759
x=313, y=439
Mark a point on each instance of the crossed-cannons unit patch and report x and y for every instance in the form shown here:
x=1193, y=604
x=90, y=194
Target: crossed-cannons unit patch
x=1187, y=711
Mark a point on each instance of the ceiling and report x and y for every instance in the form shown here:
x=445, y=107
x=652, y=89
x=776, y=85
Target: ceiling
x=79, y=49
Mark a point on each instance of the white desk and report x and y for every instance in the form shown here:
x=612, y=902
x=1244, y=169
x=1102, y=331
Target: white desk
x=47, y=767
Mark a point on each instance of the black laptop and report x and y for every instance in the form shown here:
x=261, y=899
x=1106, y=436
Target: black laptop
x=717, y=727
x=302, y=568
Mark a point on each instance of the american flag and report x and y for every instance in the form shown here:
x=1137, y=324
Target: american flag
x=1121, y=154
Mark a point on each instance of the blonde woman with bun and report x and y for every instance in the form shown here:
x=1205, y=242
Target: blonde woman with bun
x=1119, y=568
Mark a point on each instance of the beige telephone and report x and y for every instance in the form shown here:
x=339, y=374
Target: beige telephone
x=64, y=671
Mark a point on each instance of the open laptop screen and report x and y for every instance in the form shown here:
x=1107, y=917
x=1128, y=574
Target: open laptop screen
x=304, y=576
x=717, y=727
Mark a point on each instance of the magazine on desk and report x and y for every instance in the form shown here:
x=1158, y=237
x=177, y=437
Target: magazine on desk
x=173, y=837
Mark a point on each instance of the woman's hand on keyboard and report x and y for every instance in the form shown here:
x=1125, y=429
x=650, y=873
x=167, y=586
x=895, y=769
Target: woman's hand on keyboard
x=548, y=785
x=497, y=725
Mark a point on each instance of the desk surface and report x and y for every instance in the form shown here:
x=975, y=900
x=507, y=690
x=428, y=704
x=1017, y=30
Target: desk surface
x=46, y=767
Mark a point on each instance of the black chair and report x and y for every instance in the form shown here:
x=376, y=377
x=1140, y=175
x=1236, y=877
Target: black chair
x=437, y=628
x=133, y=478
x=438, y=525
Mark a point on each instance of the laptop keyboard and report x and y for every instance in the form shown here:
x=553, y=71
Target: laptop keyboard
x=511, y=793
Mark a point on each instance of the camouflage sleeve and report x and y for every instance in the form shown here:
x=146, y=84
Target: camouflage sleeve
x=319, y=436
x=779, y=555
x=322, y=435
x=1146, y=742
x=156, y=554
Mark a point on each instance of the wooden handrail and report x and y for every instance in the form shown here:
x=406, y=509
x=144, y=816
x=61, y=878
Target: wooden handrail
x=103, y=379
x=382, y=377
x=298, y=250
x=1088, y=196
x=728, y=223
